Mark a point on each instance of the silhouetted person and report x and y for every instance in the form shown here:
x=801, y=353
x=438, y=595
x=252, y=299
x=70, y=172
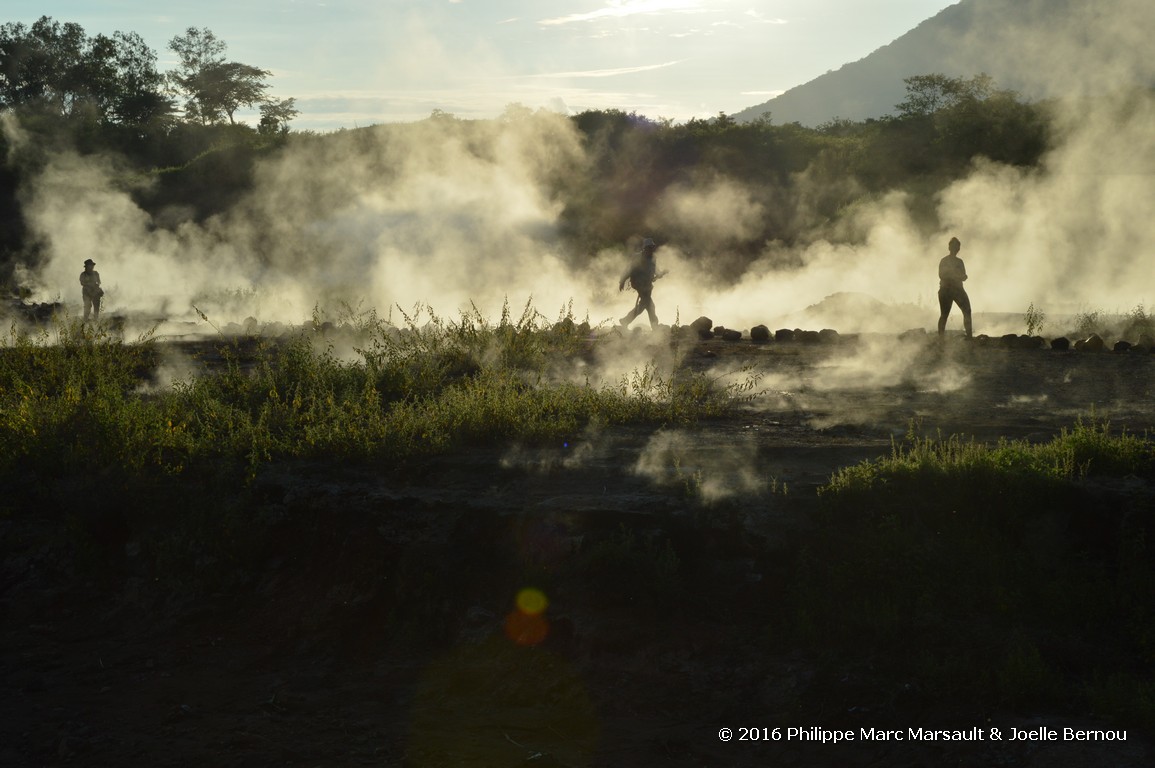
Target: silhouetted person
x=91, y=290
x=951, y=275
x=641, y=276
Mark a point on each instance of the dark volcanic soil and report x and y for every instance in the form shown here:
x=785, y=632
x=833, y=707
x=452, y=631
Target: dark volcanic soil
x=370, y=622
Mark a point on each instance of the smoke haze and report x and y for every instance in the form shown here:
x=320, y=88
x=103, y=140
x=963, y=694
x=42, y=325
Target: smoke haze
x=447, y=213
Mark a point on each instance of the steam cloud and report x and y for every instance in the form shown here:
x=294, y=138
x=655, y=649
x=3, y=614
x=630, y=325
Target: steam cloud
x=427, y=214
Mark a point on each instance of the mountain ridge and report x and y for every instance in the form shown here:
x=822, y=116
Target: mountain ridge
x=1037, y=48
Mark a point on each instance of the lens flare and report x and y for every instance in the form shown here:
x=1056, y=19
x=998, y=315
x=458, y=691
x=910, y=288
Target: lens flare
x=526, y=623
x=532, y=601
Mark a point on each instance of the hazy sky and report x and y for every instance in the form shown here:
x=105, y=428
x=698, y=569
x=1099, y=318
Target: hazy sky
x=357, y=62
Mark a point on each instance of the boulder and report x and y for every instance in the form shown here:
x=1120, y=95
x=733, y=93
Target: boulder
x=1122, y=346
x=829, y=336
x=1061, y=344
x=783, y=334
x=760, y=334
x=807, y=337
x=702, y=326
x=1014, y=341
x=729, y=334
x=1093, y=343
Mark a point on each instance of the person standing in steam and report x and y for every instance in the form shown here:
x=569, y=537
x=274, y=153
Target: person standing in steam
x=951, y=275
x=91, y=290
x=641, y=276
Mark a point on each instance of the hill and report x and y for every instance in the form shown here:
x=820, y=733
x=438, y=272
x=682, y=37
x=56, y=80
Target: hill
x=1039, y=48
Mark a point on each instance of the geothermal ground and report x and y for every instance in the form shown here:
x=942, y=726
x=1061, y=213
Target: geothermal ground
x=373, y=626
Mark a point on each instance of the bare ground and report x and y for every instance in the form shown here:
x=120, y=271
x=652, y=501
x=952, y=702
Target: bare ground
x=368, y=625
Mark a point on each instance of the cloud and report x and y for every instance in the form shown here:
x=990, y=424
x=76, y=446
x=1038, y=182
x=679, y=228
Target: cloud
x=758, y=17
x=625, y=8
x=610, y=72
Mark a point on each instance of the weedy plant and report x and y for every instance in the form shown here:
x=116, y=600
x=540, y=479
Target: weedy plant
x=1035, y=319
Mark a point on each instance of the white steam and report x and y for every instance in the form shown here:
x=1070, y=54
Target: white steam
x=449, y=213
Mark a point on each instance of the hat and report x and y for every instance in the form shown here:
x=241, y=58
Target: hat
x=89, y=261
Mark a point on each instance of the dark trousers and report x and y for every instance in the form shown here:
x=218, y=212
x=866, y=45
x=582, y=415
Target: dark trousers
x=91, y=305
x=645, y=303
x=954, y=295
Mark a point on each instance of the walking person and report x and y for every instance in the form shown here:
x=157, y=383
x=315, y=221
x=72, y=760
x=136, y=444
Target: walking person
x=952, y=273
x=90, y=289
x=641, y=276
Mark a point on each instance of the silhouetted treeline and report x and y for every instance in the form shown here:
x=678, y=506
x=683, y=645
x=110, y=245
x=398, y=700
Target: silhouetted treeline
x=176, y=133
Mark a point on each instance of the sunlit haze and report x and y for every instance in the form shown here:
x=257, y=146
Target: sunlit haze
x=457, y=222
x=360, y=62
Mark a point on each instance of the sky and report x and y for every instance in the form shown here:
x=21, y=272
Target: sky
x=352, y=63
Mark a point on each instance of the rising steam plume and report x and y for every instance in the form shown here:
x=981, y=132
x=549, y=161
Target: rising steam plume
x=430, y=213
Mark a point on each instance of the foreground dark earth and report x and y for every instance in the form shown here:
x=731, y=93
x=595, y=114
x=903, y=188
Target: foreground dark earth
x=369, y=622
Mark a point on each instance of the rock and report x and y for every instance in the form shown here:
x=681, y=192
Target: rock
x=1014, y=341
x=729, y=334
x=1122, y=346
x=1061, y=344
x=783, y=334
x=760, y=334
x=1093, y=343
x=829, y=336
x=807, y=337
x=702, y=326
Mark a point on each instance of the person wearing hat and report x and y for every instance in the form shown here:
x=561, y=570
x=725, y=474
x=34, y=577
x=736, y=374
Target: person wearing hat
x=91, y=290
x=641, y=276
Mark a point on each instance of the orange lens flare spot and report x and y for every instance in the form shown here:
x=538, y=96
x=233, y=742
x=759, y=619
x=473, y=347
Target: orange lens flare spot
x=532, y=601
x=525, y=628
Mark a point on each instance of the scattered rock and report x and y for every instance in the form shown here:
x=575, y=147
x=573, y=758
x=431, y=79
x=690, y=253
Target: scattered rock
x=783, y=334
x=1122, y=346
x=807, y=337
x=702, y=326
x=1093, y=343
x=1061, y=344
x=729, y=334
x=829, y=336
x=760, y=334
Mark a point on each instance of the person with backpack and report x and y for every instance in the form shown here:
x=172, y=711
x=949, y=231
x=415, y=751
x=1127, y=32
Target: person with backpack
x=641, y=276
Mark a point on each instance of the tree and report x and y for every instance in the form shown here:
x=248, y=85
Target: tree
x=214, y=88
x=276, y=116
x=927, y=94
x=58, y=69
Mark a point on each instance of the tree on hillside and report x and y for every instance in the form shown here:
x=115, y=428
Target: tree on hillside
x=276, y=116
x=927, y=94
x=214, y=88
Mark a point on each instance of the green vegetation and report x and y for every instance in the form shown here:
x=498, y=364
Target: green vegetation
x=73, y=398
x=1132, y=325
x=991, y=571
